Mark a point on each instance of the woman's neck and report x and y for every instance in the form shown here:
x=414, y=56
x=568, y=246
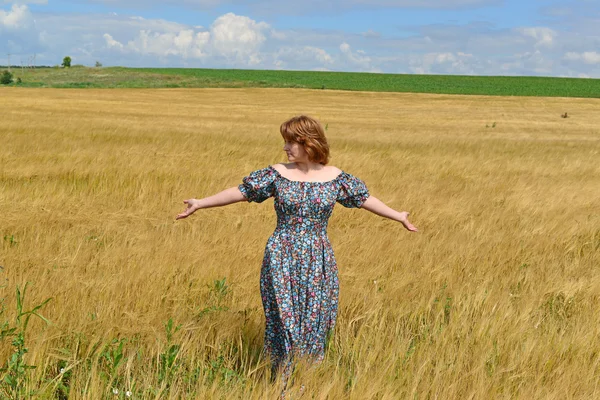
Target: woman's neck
x=306, y=167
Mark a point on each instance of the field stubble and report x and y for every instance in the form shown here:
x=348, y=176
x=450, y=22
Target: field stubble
x=497, y=297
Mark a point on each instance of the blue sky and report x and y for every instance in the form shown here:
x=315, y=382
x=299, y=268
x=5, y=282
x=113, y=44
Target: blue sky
x=468, y=37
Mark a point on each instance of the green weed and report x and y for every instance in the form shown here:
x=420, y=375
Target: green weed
x=13, y=382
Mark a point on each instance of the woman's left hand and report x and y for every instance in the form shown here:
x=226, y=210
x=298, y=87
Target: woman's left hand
x=404, y=221
x=376, y=206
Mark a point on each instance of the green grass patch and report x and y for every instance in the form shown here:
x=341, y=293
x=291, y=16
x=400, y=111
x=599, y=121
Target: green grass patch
x=119, y=77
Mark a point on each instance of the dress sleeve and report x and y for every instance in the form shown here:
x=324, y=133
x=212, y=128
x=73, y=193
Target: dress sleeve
x=353, y=191
x=259, y=185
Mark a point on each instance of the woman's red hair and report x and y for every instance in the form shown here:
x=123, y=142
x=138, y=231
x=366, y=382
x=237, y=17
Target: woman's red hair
x=309, y=133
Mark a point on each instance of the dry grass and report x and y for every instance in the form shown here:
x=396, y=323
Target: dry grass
x=497, y=297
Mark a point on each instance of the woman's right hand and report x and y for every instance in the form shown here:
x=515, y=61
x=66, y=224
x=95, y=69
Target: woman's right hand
x=192, y=206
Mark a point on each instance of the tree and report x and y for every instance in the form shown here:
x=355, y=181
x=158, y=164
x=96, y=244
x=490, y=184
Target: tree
x=6, y=78
x=66, y=62
x=98, y=64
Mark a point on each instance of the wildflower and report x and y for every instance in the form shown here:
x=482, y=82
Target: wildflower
x=128, y=393
x=115, y=391
x=62, y=370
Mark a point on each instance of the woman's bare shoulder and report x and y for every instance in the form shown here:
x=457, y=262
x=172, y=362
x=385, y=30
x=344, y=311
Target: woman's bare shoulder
x=281, y=167
x=334, y=170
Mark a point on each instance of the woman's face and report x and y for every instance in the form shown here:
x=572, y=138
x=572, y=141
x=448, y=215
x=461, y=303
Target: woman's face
x=295, y=152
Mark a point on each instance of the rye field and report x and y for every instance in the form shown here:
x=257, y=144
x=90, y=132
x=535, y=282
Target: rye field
x=498, y=296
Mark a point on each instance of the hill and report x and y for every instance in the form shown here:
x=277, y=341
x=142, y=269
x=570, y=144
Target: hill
x=120, y=77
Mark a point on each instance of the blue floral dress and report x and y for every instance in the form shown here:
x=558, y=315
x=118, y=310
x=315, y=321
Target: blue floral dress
x=299, y=279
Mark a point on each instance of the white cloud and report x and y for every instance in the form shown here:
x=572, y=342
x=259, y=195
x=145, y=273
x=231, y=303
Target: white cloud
x=302, y=58
x=534, y=61
x=279, y=35
x=112, y=43
x=185, y=44
x=357, y=59
x=588, y=57
x=18, y=32
x=238, y=38
x=443, y=63
x=543, y=36
x=18, y=18
x=161, y=44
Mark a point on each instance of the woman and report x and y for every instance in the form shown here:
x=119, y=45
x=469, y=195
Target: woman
x=299, y=282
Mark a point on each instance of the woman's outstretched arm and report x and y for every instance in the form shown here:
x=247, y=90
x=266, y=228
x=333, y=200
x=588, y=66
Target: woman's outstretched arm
x=376, y=206
x=226, y=197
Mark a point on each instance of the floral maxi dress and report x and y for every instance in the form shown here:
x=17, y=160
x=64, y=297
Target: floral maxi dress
x=299, y=279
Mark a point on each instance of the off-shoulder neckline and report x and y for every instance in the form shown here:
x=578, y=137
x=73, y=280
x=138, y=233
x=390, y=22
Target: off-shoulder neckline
x=290, y=180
